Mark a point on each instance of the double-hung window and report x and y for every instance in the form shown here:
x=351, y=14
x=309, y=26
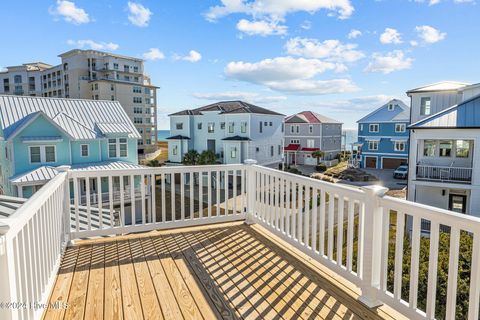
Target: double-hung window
x=399, y=146
x=231, y=127
x=400, y=127
x=310, y=143
x=446, y=148
x=117, y=148
x=42, y=154
x=179, y=126
x=112, y=148
x=374, y=127
x=123, y=147
x=233, y=152
x=425, y=106
x=243, y=127
x=211, y=127
x=35, y=156
x=429, y=147
x=84, y=150
x=373, y=145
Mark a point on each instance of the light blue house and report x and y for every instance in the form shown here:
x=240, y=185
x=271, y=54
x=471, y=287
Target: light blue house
x=383, y=136
x=37, y=135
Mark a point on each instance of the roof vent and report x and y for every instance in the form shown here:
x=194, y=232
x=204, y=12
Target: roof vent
x=391, y=107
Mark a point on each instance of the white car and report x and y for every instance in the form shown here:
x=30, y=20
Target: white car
x=401, y=172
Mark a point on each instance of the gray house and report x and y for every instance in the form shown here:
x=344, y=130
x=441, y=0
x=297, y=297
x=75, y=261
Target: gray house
x=307, y=132
x=234, y=130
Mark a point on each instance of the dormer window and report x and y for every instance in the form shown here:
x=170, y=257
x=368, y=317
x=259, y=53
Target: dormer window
x=391, y=107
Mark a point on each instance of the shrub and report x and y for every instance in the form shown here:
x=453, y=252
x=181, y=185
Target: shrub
x=321, y=167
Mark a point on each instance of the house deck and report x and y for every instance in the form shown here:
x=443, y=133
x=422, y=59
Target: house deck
x=227, y=271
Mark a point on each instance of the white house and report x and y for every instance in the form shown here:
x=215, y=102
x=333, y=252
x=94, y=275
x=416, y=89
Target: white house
x=234, y=130
x=444, y=157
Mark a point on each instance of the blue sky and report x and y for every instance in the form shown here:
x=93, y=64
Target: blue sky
x=341, y=58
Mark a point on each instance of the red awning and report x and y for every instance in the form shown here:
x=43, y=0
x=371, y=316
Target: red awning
x=292, y=147
x=310, y=149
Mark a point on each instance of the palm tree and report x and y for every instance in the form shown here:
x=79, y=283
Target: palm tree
x=191, y=158
x=318, y=155
x=207, y=157
x=153, y=163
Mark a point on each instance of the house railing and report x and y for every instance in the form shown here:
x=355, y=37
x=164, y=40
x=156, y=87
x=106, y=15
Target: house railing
x=358, y=233
x=444, y=173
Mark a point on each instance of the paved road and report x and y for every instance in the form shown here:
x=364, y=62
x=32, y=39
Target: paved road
x=385, y=178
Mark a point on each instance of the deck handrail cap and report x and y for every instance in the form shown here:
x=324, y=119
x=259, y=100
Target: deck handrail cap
x=250, y=161
x=375, y=190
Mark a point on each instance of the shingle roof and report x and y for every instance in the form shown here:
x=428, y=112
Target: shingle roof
x=309, y=117
x=463, y=115
x=228, y=107
x=78, y=118
x=440, y=86
x=400, y=113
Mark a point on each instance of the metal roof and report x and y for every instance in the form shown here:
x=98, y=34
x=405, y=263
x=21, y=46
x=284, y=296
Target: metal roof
x=237, y=138
x=112, y=128
x=8, y=205
x=78, y=118
x=228, y=107
x=106, y=165
x=41, y=174
x=440, y=86
x=463, y=115
x=400, y=113
x=309, y=117
x=178, y=137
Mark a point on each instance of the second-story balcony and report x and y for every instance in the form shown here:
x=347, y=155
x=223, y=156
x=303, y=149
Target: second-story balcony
x=443, y=173
x=232, y=242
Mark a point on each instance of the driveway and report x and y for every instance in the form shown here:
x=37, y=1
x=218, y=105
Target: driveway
x=385, y=178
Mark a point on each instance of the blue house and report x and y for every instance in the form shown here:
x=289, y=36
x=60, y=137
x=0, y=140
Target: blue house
x=383, y=136
x=37, y=135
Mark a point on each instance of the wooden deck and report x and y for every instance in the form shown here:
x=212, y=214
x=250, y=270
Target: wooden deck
x=229, y=271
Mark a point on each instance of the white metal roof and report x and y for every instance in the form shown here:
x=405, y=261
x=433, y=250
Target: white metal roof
x=78, y=118
x=109, y=128
x=41, y=174
x=440, y=86
x=106, y=165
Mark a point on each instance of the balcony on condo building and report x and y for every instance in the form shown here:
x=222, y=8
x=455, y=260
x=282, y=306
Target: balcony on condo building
x=230, y=242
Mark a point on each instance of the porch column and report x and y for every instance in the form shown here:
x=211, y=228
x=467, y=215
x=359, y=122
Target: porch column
x=251, y=190
x=20, y=191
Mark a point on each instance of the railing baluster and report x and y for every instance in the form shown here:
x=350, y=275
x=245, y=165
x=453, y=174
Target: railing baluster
x=307, y=219
x=321, y=226
x=153, y=212
x=209, y=193
x=142, y=197
x=474, y=294
x=432, y=270
x=191, y=190
x=182, y=196
x=314, y=218
x=341, y=206
x=110, y=199
x=300, y=207
x=282, y=205
x=452, y=273
x=217, y=189
x=87, y=196
x=122, y=202
x=350, y=233
x=173, y=197
x=76, y=195
x=331, y=218
x=100, y=202
x=200, y=194
x=384, y=246
x=235, y=192
x=270, y=200
x=164, y=198
x=133, y=200
x=225, y=182
x=288, y=208
x=294, y=211
x=414, y=265
x=397, y=281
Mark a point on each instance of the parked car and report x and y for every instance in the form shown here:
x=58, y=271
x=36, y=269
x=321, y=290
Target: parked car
x=401, y=172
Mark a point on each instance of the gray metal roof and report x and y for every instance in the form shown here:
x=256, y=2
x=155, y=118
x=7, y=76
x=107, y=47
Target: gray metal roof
x=105, y=165
x=112, y=128
x=228, y=107
x=440, y=86
x=400, y=113
x=41, y=174
x=78, y=118
x=463, y=115
x=8, y=205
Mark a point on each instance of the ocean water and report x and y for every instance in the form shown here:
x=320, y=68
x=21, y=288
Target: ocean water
x=162, y=135
x=349, y=136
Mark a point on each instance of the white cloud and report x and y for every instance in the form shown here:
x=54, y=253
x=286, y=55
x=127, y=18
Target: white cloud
x=153, y=54
x=390, y=36
x=434, y=2
x=193, y=56
x=70, y=12
x=261, y=27
x=429, y=34
x=306, y=25
x=288, y=74
x=330, y=50
x=357, y=104
x=354, y=33
x=93, y=45
x=390, y=62
x=278, y=9
x=252, y=97
x=138, y=14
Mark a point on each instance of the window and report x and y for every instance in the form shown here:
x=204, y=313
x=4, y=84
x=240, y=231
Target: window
x=265, y=123
x=391, y=107
x=137, y=89
x=179, y=126
x=84, y=150
x=231, y=127
x=211, y=127
x=298, y=129
x=135, y=68
x=257, y=149
x=148, y=141
x=399, y=146
x=137, y=99
x=137, y=110
x=310, y=128
x=462, y=149
x=137, y=120
x=279, y=149
x=96, y=86
x=261, y=126
x=373, y=127
x=35, y=155
x=175, y=150
x=446, y=148
x=372, y=145
x=283, y=127
x=400, y=127
x=429, y=147
x=112, y=148
x=112, y=98
x=42, y=154
x=425, y=106
x=199, y=126
x=310, y=143
x=295, y=141
x=123, y=147
x=126, y=68
x=271, y=124
x=243, y=127
x=361, y=127
x=271, y=151
x=17, y=78
x=148, y=120
x=292, y=129
x=222, y=125
x=233, y=152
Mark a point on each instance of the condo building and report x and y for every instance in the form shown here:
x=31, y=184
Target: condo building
x=95, y=75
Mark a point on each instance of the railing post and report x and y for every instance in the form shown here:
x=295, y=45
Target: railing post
x=250, y=174
x=66, y=203
x=372, y=245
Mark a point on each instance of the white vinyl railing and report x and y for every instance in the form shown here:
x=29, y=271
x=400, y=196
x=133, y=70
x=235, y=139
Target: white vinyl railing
x=31, y=248
x=444, y=173
x=370, y=239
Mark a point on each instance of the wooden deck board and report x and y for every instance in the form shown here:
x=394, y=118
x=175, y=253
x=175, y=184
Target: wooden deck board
x=228, y=271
